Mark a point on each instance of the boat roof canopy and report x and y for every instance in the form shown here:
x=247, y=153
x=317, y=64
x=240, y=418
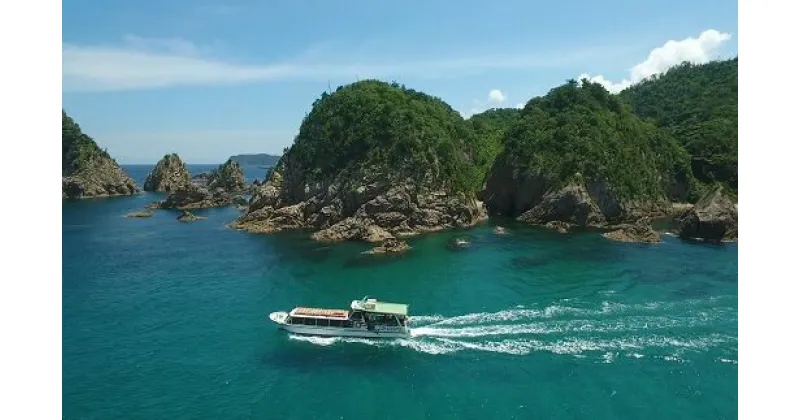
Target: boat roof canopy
x=373, y=305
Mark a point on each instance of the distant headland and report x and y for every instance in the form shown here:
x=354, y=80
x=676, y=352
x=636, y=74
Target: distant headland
x=256, y=159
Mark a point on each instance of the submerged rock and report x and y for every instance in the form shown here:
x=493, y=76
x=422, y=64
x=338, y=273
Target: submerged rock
x=458, y=244
x=389, y=246
x=499, y=230
x=187, y=216
x=169, y=174
x=558, y=226
x=139, y=214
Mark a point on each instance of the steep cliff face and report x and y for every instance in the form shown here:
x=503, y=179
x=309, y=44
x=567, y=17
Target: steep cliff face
x=86, y=170
x=578, y=157
x=371, y=161
x=169, y=174
x=714, y=218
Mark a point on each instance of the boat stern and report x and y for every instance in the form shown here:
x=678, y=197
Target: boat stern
x=278, y=317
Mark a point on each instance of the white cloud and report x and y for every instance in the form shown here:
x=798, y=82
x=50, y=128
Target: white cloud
x=145, y=63
x=520, y=105
x=698, y=50
x=496, y=96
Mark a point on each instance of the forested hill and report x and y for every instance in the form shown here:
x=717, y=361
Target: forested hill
x=698, y=105
x=77, y=148
x=490, y=126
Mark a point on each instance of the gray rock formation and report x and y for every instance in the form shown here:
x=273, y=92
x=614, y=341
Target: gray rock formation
x=196, y=198
x=100, y=176
x=715, y=217
x=640, y=232
x=169, y=174
x=376, y=208
x=229, y=176
x=86, y=170
x=187, y=216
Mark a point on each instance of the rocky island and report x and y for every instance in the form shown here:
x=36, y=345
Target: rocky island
x=86, y=170
x=372, y=162
x=169, y=174
x=222, y=187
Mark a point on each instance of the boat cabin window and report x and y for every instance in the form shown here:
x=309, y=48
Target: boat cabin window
x=309, y=321
x=336, y=323
x=322, y=322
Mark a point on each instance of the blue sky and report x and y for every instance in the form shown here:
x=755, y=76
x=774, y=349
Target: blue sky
x=211, y=79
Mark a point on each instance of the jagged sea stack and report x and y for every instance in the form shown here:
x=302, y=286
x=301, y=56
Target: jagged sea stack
x=578, y=157
x=169, y=174
x=86, y=170
x=372, y=161
x=229, y=176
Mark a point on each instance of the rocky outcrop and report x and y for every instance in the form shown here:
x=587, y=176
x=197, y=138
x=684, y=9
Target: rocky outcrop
x=229, y=176
x=196, y=198
x=558, y=226
x=713, y=218
x=389, y=246
x=140, y=214
x=187, y=216
x=374, y=209
x=640, y=232
x=169, y=174
x=86, y=170
x=200, y=180
x=100, y=176
x=538, y=200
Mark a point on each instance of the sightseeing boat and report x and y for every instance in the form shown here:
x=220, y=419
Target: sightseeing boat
x=367, y=318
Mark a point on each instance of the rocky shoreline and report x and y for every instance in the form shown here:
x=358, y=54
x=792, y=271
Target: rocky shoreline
x=374, y=210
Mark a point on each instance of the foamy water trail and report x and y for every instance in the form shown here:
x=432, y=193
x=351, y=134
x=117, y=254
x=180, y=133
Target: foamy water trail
x=637, y=330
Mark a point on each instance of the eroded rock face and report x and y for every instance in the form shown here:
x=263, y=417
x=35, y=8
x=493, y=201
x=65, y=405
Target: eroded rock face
x=537, y=200
x=714, y=218
x=229, y=176
x=99, y=177
x=640, y=232
x=196, y=198
x=169, y=174
x=376, y=207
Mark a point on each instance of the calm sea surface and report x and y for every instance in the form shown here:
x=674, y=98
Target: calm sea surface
x=166, y=320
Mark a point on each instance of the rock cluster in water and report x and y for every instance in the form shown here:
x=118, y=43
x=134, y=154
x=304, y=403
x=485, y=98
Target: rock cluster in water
x=222, y=187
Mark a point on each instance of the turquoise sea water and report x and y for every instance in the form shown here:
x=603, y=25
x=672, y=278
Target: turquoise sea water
x=163, y=319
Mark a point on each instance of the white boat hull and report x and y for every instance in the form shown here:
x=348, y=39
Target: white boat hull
x=280, y=317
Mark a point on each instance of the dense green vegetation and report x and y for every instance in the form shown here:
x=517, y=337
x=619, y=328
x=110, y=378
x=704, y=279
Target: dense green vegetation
x=372, y=125
x=698, y=105
x=77, y=148
x=260, y=159
x=490, y=127
x=582, y=128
